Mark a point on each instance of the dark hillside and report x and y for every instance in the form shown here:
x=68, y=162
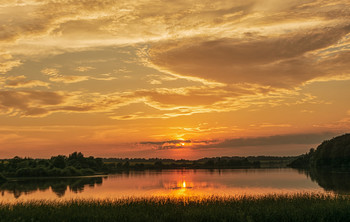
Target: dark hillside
x=333, y=153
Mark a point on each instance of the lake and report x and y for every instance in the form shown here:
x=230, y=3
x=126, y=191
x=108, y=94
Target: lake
x=177, y=183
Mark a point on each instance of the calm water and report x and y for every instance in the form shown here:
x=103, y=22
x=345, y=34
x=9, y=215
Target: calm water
x=175, y=183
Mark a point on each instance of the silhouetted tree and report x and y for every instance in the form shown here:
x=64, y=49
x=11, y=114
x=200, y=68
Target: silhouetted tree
x=59, y=161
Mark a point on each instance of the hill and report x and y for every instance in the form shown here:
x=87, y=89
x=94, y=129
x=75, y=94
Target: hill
x=333, y=153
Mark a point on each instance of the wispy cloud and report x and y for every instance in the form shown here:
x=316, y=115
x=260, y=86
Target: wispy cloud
x=30, y=103
x=286, y=60
x=55, y=76
x=84, y=68
x=287, y=139
x=22, y=82
x=176, y=144
x=7, y=63
x=237, y=143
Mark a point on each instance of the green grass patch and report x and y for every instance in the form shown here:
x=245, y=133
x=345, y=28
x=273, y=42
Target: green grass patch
x=303, y=207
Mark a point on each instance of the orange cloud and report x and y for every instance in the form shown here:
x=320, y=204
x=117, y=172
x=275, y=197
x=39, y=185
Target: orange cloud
x=21, y=82
x=29, y=103
x=306, y=138
x=280, y=61
x=7, y=63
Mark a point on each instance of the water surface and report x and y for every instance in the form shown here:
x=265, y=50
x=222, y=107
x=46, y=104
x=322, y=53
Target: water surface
x=165, y=183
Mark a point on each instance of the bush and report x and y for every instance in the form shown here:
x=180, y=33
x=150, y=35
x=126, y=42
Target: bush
x=55, y=172
x=2, y=178
x=87, y=172
x=23, y=172
x=71, y=171
x=59, y=161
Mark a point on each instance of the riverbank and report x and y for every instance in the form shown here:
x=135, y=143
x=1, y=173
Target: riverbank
x=303, y=207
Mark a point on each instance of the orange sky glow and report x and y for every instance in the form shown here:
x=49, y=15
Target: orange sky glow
x=172, y=79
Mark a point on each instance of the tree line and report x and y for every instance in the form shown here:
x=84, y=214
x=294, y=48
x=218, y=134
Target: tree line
x=334, y=153
x=206, y=163
x=73, y=165
x=77, y=165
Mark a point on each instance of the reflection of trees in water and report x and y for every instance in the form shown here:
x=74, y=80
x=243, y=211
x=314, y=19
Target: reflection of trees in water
x=59, y=185
x=336, y=181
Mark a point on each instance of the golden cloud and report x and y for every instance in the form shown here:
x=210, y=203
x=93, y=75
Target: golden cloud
x=55, y=76
x=84, y=68
x=302, y=138
x=68, y=79
x=29, y=103
x=21, y=82
x=283, y=61
x=7, y=65
x=251, y=47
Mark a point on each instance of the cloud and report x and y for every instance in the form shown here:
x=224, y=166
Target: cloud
x=84, y=68
x=155, y=82
x=175, y=144
x=285, y=60
x=41, y=17
x=288, y=139
x=68, y=79
x=8, y=137
x=32, y=103
x=7, y=63
x=153, y=103
x=192, y=96
x=55, y=76
x=252, y=47
x=181, y=96
x=185, y=101
x=342, y=124
x=50, y=71
x=67, y=24
x=165, y=142
x=21, y=82
x=275, y=140
x=29, y=103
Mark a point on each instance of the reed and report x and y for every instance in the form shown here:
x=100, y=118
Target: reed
x=300, y=207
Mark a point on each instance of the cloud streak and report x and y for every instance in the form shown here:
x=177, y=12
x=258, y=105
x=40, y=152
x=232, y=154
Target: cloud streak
x=30, y=103
x=242, y=143
x=283, y=61
x=175, y=144
x=21, y=82
x=288, y=139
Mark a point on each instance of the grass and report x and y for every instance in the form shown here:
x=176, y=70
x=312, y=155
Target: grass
x=303, y=207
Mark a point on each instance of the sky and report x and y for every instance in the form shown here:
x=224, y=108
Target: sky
x=172, y=79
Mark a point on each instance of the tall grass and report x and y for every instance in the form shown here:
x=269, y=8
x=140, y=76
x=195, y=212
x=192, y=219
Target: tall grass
x=303, y=207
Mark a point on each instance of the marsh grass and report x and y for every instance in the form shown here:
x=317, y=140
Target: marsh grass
x=300, y=207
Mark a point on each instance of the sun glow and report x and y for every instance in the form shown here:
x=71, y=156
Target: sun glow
x=184, y=184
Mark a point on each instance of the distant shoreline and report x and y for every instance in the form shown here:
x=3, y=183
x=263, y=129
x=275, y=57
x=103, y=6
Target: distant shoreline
x=76, y=164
